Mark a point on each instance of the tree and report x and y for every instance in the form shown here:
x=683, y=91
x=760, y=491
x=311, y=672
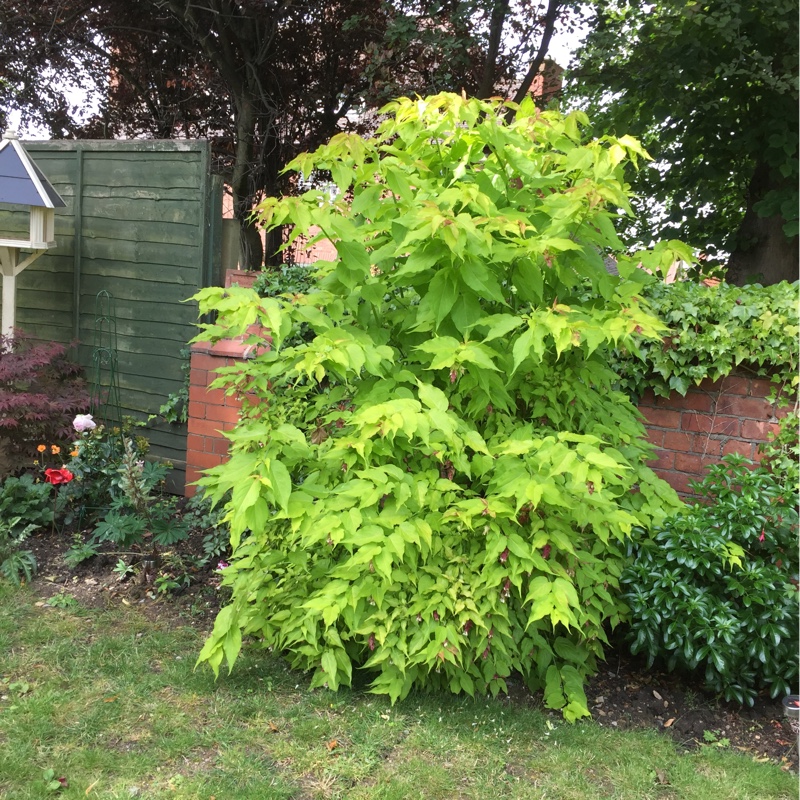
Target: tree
x=264, y=80
x=435, y=479
x=710, y=88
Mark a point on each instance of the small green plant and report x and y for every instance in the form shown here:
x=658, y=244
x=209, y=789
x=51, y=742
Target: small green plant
x=79, y=551
x=63, y=600
x=123, y=570
x=715, y=588
x=716, y=739
x=138, y=513
x=16, y=564
x=176, y=407
x=52, y=783
x=27, y=499
x=201, y=516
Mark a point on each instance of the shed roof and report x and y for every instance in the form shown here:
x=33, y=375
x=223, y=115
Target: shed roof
x=21, y=181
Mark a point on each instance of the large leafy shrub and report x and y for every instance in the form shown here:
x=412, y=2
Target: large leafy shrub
x=438, y=486
x=714, y=589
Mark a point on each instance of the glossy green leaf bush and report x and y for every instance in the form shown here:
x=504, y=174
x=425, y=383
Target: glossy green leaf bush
x=716, y=587
x=438, y=486
x=712, y=331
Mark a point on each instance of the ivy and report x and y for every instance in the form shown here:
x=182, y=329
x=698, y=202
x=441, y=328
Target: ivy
x=712, y=331
x=437, y=483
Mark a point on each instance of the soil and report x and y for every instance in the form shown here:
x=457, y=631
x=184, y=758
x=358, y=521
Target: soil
x=624, y=694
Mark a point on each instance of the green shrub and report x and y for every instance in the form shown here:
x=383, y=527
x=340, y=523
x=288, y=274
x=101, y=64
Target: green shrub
x=715, y=587
x=28, y=500
x=287, y=279
x=438, y=486
x=16, y=564
x=712, y=330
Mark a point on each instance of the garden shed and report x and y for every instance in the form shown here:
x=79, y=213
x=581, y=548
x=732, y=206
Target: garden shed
x=142, y=221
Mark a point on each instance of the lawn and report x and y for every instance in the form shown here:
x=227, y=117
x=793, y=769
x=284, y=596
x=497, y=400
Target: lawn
x=110, y=702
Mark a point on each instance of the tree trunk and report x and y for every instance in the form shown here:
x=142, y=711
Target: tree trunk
x=763, y=252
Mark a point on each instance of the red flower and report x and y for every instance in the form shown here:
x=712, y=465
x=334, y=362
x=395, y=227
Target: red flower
x=57, y=476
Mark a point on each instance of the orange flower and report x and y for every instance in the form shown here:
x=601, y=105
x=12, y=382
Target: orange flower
x=55, y=449
x=41, y=448
x=73, y=453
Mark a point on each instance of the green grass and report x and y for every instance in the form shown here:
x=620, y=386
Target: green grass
x=111, y=702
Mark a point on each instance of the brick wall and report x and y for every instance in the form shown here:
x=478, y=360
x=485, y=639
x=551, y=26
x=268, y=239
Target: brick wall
x=731, y=415
x=718, y=417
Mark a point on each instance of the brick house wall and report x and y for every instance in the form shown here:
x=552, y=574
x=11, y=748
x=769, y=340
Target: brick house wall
x=732, y=415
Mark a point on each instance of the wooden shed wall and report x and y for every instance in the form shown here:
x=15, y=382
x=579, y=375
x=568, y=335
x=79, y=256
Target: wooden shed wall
x=140, y=223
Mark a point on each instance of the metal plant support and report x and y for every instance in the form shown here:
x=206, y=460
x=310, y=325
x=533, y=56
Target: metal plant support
x=105, y=403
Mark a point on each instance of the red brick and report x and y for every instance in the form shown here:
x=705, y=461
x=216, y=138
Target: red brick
x=233, y=401
x=736, y=406
x=707, y=423
x=204, y=361
x=707, y=445
x=663, y=460
x=687, y=462
x=780, y=413
x=222, y=414
x=195, y=442
x=746, y=449
x=205, y=427
x=698, y=401
x=199, y=377
x=655, y=436
x=760, y=387
x=707, y=385
x=218, y=446
x=733, y=384
x=662, y=418
x=758, y=430
x=191, y=476
x=679, y=481
x=196, y=410
x=205, y=460
x=682, y=442
x=648, y=398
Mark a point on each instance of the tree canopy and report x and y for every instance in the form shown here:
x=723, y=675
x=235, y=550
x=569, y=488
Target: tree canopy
x=263, y=80
x=710, y=88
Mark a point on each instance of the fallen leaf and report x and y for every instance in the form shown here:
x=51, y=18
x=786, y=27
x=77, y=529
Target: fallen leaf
x=110, y=699
x=662, y=777
x=273, y=727
x=332, y=745
x=668, y=723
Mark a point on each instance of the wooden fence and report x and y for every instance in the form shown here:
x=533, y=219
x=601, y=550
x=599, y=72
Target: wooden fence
x=142, y=222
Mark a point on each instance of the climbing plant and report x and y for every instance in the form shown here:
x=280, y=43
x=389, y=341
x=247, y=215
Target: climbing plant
x=438, y=484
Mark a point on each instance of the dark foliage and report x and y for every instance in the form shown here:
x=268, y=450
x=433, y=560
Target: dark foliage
x=41, y=390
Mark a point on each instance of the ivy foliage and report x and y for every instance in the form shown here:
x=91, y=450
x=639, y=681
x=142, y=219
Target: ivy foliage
x=712, y=331
x=438, y=486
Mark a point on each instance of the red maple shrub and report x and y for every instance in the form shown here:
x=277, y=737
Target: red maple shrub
x=41, y=390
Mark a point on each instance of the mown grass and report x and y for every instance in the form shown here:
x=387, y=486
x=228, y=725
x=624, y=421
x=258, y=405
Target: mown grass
x=111, y=702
